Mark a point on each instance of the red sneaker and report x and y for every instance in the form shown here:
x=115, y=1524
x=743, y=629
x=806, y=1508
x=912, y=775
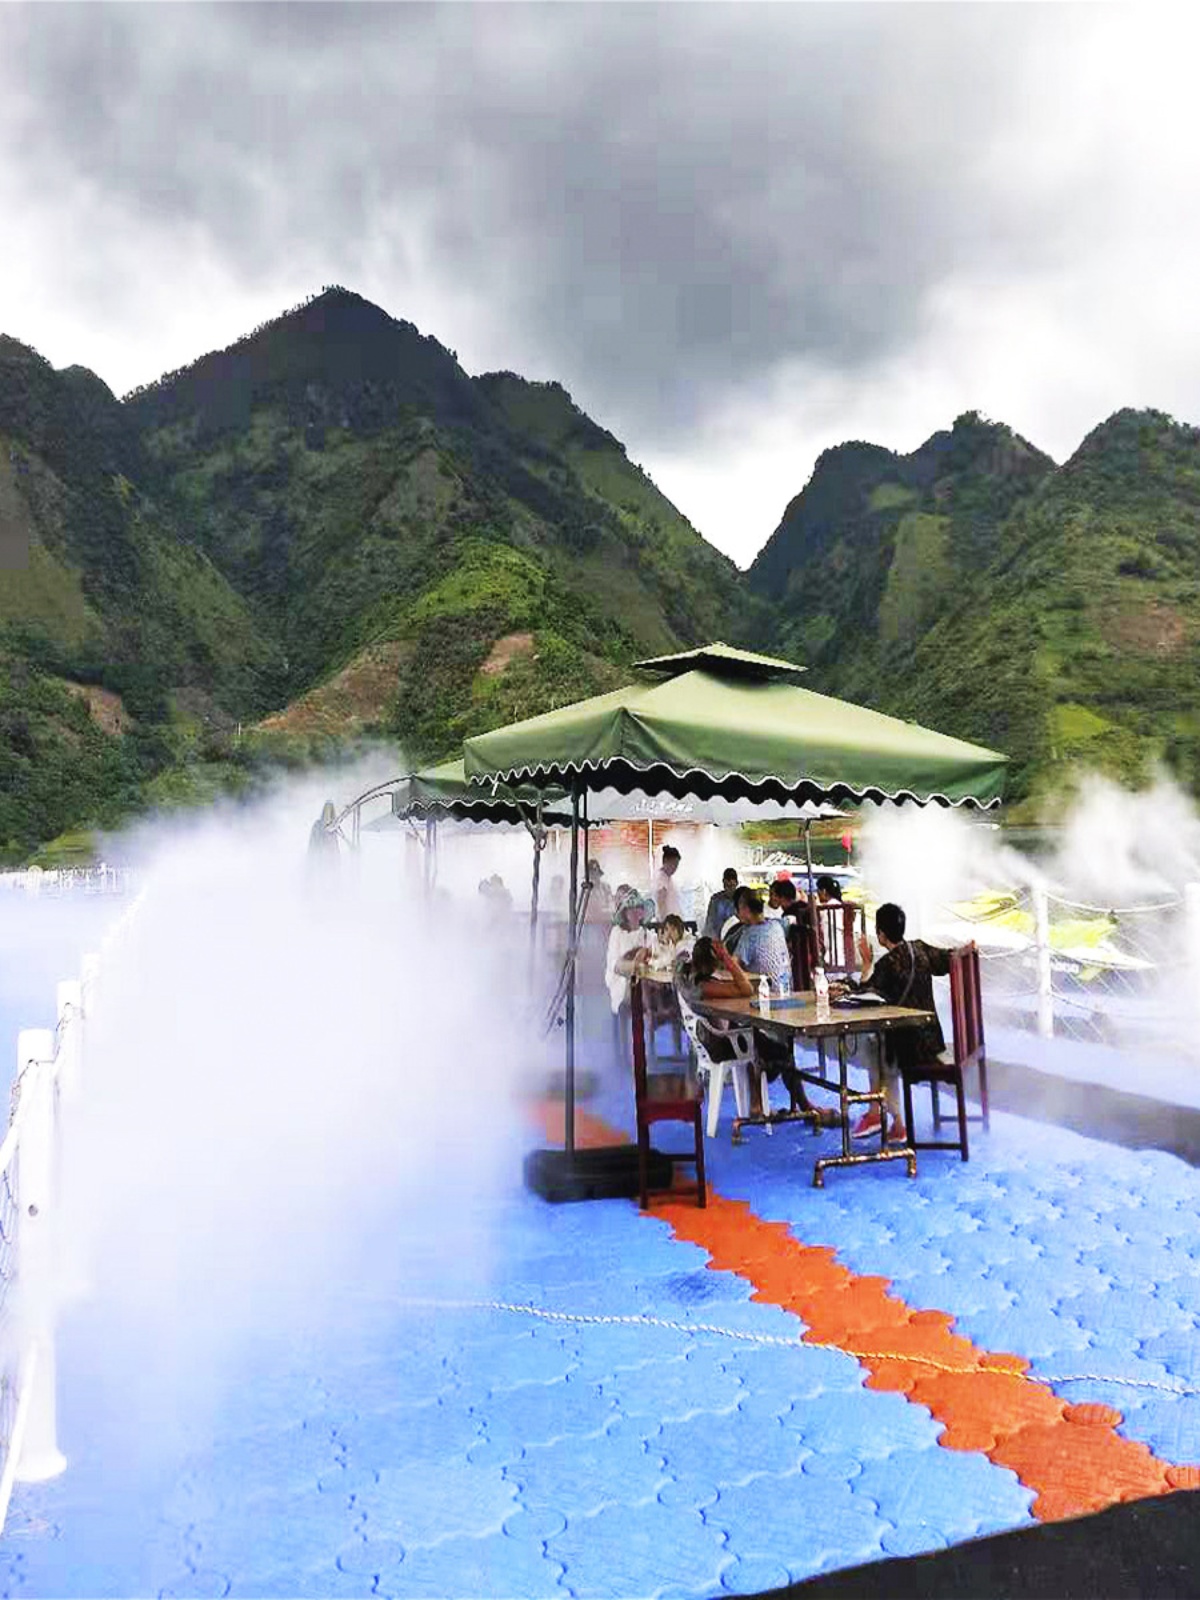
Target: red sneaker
x=897, y=1133
x=867, y=1126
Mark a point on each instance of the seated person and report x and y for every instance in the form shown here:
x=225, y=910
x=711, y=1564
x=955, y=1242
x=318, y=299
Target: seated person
x=731, y=930
x=795, y=915
x=773, y=1052
x=629, y=946
x=902, y=976
x=673, y=941
x=762, y=944
x=784, y=897
x=720, y=906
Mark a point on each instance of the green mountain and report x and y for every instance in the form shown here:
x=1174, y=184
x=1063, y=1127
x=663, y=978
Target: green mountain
x=328, y=528
x=479, y=539
x=110, y=624
x=1051, y=611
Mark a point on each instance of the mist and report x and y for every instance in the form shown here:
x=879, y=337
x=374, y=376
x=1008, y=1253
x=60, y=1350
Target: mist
x=284, y=1061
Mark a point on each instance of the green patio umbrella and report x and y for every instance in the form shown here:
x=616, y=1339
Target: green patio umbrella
x=717, y=721
x=723, y=722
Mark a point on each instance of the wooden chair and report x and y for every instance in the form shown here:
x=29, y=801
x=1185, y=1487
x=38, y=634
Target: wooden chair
x=801, y=934
x=836, y=928
x=968, y=1049
x=652, y=1108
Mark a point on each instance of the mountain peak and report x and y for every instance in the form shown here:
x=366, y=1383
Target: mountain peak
x=337, y=360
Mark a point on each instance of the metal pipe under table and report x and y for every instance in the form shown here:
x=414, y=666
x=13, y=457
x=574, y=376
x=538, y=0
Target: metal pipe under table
x=795, y=1015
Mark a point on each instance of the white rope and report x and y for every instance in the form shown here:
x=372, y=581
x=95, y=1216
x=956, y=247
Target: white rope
x=598, y=1319
x=1114, y=911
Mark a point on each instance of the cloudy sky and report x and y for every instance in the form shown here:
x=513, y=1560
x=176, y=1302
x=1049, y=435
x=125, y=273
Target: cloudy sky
x=737, y=234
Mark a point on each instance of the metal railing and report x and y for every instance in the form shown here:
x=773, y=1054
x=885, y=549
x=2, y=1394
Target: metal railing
x=49, y=1068
x=52, y=881
x=1067, y=968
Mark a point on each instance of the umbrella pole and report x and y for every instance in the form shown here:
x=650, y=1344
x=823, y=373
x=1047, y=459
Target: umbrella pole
x=569, y=1099
x=539, y=844
x=812, y=888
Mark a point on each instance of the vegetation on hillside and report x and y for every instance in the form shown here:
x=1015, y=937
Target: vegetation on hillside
x=1051, y=612
x=329, y=531
x=329, y=515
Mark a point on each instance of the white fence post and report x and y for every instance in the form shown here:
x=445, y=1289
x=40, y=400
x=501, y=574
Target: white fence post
x=40, y=1457
x=1045, y=992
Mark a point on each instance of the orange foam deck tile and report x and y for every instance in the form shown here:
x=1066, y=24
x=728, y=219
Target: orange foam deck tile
x=1071, y=1456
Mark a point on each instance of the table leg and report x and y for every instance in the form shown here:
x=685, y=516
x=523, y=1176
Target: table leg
x=847, y=1158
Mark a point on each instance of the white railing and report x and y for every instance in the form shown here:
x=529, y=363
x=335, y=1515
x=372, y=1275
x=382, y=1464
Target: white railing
x=50, y=1068
x=1061, y=967
x=68, y=880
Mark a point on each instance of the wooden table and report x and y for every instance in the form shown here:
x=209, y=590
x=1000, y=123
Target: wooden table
x=795, y=1015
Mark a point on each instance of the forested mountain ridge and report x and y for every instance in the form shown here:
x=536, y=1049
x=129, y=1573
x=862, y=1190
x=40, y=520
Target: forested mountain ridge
x=331, y=529
x=1053, y=612
x=331, y=523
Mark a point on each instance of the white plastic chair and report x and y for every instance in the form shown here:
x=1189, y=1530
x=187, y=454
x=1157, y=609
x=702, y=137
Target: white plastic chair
x=717, y=1072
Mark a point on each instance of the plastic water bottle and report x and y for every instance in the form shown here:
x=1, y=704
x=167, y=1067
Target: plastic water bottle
x=764, y=994
x=821, y=986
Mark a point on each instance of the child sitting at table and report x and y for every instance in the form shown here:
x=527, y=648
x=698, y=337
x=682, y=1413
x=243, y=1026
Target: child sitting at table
x=696, y=980
x=673, y=941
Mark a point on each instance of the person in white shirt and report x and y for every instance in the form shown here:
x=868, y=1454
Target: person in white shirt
x=666, y=895
x=629, y=946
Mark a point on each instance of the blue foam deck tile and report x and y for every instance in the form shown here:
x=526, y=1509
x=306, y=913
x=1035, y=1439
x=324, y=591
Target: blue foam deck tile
x=812, y=1522
x=534, y=1526
x=1028, y=1329
x=421, y=1507
x=548, y=1423
x=962, y=1294
x=346, y=1483
x=486, y=1569
x=1124, y=1316
x=689, y=1490
x=798, y=1371
x=754, y=1573
x=738, y=1451
x=866, y=1424
x=959, y=1492
x=436, y=1432
x=295, y=1537
x=639, y=1550
x=832, y=1464
x=200, y=1585
x=324, y=1582
x=367, y=1558
x=1179, y=1351
x=1169, y=1425
x=673, y=1390
x=576, y=1478
x=915, y=1539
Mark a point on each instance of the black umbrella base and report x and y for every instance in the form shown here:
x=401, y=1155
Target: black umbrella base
x=607, y=1172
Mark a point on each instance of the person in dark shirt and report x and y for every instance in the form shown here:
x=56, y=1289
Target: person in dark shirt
x=784, y=897
x=795, y=913
x=902, y=976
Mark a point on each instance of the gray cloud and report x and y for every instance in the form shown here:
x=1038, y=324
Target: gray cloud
x=678, y=210
x=671, y=200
